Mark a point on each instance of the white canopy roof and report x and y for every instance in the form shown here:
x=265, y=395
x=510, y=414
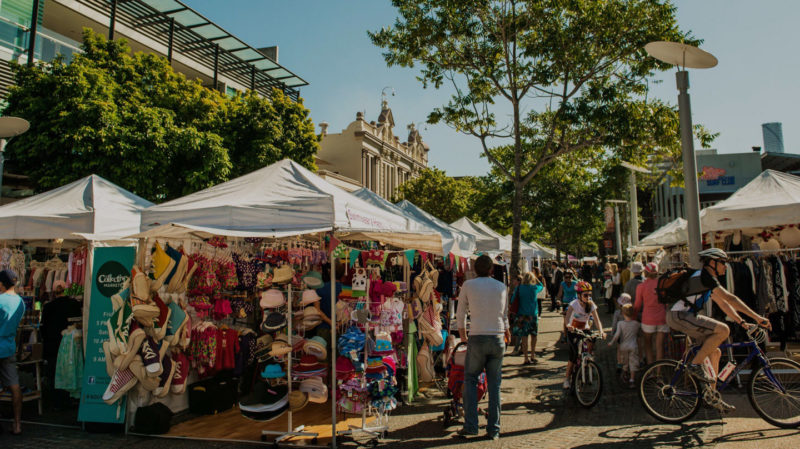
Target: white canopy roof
x=453, y=240
x=671, y=234
x=91, y=208
x=279, y=200
x=771, y=199
x=484, y=241
x=432, y=244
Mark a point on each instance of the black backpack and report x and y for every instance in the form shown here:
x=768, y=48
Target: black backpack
x=153, y=419
x=676, y=284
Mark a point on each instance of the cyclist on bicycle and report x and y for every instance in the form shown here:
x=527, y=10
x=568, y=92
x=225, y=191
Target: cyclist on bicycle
x=577, y=315
x=708, y=332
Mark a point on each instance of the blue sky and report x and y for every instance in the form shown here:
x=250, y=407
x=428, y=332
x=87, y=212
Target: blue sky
x=325, y=43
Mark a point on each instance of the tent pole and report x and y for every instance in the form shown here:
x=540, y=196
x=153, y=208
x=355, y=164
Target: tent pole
x=333, y=349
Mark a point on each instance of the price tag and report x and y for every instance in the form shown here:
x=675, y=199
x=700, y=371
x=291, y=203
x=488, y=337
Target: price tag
x=353, y=354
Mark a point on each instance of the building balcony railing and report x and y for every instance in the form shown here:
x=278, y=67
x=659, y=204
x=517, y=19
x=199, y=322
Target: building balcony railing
x=16, y=38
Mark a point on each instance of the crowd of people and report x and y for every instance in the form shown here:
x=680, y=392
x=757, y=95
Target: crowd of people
x=641, y=320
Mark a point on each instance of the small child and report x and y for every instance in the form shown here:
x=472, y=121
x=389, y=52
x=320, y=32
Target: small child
x=623, y=299
x=627, y=352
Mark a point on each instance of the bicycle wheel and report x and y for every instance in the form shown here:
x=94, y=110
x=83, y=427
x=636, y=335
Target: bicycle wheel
x=668, y=395
x=587, y=383
x=778, y=408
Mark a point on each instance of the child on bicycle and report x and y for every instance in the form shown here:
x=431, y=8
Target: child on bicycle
x=577, y=316
x=703, y=284
x=628, y=350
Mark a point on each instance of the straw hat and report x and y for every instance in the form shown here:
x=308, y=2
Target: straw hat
x=298, y=400
x=309, y=297
x=271, y=299
x=282, y=274
x=316, y=346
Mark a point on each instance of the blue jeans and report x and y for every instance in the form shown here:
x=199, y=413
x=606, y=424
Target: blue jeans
x=483, y=352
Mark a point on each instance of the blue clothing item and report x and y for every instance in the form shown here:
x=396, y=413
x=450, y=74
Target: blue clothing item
x=483, y=352
x=569, y=291
x=527, y=295
x=11, y=310
x=325, y=302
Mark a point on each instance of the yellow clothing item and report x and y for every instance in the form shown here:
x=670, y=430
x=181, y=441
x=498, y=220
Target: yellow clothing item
x=161, y=262
x=625, y=276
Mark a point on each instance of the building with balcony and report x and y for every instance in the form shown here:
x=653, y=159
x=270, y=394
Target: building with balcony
x=194, y=45
x=369, y=154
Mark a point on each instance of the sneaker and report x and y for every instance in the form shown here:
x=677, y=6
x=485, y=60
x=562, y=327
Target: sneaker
x=181, y=372
x=463, y=433
x=566, y=384
x=166, y=378
x=150, y=358
x=714, y=399
x=122, y=381
x=698, y=373
x=494, y=436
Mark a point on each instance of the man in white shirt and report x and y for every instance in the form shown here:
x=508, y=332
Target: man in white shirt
x=485, y=300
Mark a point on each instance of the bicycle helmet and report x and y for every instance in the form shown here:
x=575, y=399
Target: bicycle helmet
x=713, y=254
x=583, y=286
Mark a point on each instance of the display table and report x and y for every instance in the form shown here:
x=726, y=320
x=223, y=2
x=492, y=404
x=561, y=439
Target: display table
x=35, y=395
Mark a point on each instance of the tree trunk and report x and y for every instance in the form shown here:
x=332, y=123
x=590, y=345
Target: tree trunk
x=516, y=229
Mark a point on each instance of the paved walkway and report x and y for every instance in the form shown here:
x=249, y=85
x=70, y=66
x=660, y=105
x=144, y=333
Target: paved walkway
x=536, y=413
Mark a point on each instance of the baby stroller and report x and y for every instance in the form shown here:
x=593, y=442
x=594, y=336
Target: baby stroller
x=455, y=384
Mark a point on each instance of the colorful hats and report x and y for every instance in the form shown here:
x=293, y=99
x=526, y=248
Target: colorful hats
x=273, y=371
x=344, y=366
x=311, y=317
x=309, y=363
x=280, y=349
x=309, y=296
x=651, y=267
x=313, y=279
x=272, y=298
x=265, y=398
x=316, y=346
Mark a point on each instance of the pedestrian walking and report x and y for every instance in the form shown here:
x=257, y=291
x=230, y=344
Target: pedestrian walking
x=11, y=310
x=653, y=313
x=627, y=351
x=556, y=277
x=512, y=310
x=566, y=291
x=486, y=302
x=526, y=321
x=616, y=286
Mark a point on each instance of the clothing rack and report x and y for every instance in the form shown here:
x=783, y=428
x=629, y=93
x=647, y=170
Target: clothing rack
x=764, y=251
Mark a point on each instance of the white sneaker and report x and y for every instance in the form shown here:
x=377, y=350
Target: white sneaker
x=566, y=384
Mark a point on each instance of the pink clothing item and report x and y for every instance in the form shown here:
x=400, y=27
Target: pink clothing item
x=653, y=312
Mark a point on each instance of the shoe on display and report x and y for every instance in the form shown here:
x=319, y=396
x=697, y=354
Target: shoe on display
x=165, y=379
x=150, y=357
x=122, y=381
x=181, y=372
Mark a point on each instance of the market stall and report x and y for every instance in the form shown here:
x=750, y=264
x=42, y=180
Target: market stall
x=453, y=240
x=485, y=241
x=262, y=243
x=49, y=241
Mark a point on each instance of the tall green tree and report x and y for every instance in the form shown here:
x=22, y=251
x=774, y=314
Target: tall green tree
x=551, y=77
x=132, y=119
x=443, y=197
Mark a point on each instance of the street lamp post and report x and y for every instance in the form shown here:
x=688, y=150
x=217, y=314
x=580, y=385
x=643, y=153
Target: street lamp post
x=686, y=56
x=9, y=127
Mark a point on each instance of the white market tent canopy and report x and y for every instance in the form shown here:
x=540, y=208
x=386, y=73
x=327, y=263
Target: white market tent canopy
x=433, y=244
x=671, y=234
x=484, y=241
x=90, y=208
x=279, y=200
x=453, y=240
x=771, y=199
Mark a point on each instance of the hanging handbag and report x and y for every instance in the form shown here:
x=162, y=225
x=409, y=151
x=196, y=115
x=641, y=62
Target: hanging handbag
x=425, y=364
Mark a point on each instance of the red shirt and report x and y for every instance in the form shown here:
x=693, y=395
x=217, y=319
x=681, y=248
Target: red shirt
x=653, y=312
x=227, y=346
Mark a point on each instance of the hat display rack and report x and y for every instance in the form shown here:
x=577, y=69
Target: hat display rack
x=291, y=431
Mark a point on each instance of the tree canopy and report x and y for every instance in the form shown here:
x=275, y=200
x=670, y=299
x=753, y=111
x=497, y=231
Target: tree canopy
x=133, y=120
x=444, y=197
x=545, y=77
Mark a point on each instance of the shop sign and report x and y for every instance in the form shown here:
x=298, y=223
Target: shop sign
x=111, y=267
x=608, y=244
x=357, y=218
x=716, y=176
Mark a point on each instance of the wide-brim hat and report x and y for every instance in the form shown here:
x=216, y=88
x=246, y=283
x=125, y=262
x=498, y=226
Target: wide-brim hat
x=313, y=279
x=273, y=371
x=273, y=322
x=272, y=298
x=282, y=274
x=637, y=267
x=298, y=400
x=316, y=346
x=266, y=416
x=309, y=297
x=308, y=363
x=280, y=349
x=316, y=389
x=344, y=366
